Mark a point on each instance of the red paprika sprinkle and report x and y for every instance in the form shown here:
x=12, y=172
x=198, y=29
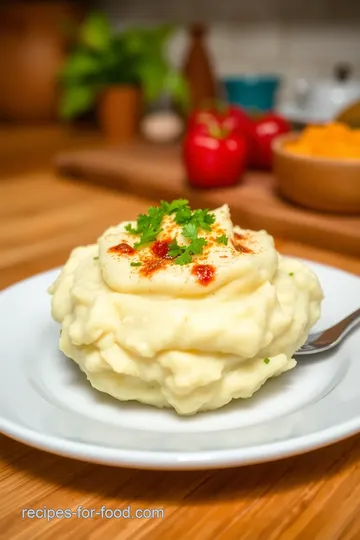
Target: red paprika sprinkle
x=122, y=249
x=238, y=238
x=161, y=249
x=204, y=273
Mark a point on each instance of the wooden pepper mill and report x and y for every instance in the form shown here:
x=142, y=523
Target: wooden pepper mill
x=198, y=70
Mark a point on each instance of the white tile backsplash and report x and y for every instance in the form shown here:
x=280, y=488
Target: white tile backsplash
x=295, y=39
x=330, y=43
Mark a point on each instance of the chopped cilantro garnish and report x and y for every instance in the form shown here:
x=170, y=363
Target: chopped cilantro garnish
x=291, y=273
x=196, y=246
x=130, y=229
x=183, y=254
x=174, y=249
x=183, y=215
x=223, y=239
x=183, y=259
x=148, y=226
x=190, y=230
x=147, y=236
x=96, y=258
x=267, y=360
x=204, y=219
x=179, y=205
x=135, y=264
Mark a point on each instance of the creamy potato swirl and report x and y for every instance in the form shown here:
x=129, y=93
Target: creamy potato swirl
x=189, y=337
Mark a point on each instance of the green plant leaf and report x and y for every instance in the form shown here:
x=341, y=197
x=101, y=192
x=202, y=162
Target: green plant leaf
x=79, y=65
x=147, y=41
x=95, y=32
x=103, y=57
x=133, y=41
x=177, y=87
x=152, y=76
x=147, y=45
x=76, y=100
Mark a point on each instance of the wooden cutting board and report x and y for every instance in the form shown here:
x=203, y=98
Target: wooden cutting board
x=156, y=172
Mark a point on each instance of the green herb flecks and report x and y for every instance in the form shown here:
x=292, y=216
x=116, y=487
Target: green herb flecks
x=223, y=239
x=135, y=264
x=266, y=360
x=291, y=273
x=148, y=227
x=96, y=258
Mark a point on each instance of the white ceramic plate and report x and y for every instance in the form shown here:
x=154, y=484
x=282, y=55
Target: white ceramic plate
x=46, y=402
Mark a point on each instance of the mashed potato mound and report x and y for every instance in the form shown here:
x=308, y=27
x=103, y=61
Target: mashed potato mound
x=191, y=337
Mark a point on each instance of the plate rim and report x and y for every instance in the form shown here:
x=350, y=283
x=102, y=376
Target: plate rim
x=159, y=460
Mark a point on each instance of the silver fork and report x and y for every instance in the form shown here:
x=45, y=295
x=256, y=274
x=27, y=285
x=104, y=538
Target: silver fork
x=327, y=339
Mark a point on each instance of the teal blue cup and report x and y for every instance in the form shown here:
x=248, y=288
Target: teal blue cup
x=253, y=93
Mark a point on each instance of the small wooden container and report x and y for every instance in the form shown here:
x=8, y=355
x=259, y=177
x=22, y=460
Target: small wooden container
x=329, y=185
x=119, y=110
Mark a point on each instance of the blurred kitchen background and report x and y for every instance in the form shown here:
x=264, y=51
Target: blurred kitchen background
x=292, y=39
x=110, y=92
x=292, y=44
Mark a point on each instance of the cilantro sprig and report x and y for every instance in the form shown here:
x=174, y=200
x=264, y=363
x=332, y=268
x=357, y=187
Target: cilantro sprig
x=148, y=227
x=223, y=239
x=183, y=254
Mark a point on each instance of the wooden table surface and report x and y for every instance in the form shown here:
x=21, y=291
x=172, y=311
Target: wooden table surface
x=310, y=497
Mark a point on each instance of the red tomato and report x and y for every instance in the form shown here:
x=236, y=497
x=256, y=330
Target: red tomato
x=214, y=159
x=265, y=130
x=237, y=119
x=205, y=117
x=219, y=116
x=203, y=120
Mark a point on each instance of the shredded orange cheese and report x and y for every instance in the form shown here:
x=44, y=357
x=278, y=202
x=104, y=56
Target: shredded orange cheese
x=333, y=140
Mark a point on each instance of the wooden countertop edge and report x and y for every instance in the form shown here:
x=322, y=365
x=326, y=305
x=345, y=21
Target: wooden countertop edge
x=326, y=240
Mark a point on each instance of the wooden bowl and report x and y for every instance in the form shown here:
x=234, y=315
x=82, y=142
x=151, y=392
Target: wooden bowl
x=330, y=185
